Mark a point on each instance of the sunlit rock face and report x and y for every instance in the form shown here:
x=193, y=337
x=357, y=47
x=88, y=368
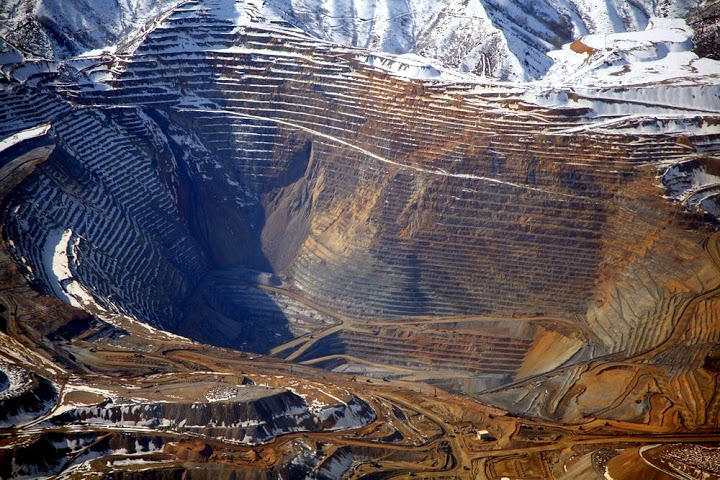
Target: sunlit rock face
x=221, y=150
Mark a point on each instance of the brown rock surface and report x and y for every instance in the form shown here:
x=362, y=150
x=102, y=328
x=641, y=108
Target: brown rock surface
x=269, y=192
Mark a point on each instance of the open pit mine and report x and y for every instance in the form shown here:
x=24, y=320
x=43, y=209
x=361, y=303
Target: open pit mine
x=303, y=239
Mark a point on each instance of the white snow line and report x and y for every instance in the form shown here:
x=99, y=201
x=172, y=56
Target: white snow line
x=57, y=264
x=14, y=139
x=602, y=124
x=439, y=171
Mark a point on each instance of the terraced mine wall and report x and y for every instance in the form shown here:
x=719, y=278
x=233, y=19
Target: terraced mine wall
x=371, y=195
x=476, y=353
x=116, y=228
x=24, y=395
x=243, y=420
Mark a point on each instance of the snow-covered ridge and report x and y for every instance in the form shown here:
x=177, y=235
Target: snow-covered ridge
x=503, y=40
x=619, y=49
x=23, y=135
x=55, y=29
x=268, y=412
x=648, y=73
x=647, y=81
x=662, y=53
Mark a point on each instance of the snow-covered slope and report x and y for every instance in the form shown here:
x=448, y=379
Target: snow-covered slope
x=648, y=80
x=62, y=28
x=505, y=40
x=660, y=53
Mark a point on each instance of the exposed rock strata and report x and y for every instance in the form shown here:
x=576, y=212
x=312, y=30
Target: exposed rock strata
x=373, y=196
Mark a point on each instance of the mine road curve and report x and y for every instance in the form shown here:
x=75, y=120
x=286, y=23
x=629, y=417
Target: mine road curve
x=409, y=374
x=459, y=454
x=394, y=368
x=303, y=343
x=339, y=437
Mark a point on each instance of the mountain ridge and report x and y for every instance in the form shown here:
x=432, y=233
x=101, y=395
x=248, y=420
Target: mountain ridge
x=508, y=42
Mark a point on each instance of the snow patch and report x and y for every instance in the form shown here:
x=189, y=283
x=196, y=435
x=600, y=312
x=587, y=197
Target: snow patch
x=59, y=259
x=408, y=66
x=21, y=136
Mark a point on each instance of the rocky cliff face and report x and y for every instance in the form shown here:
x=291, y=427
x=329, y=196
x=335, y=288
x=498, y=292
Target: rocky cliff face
x=81, y=430
x=250, y=416
x=705, y=20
